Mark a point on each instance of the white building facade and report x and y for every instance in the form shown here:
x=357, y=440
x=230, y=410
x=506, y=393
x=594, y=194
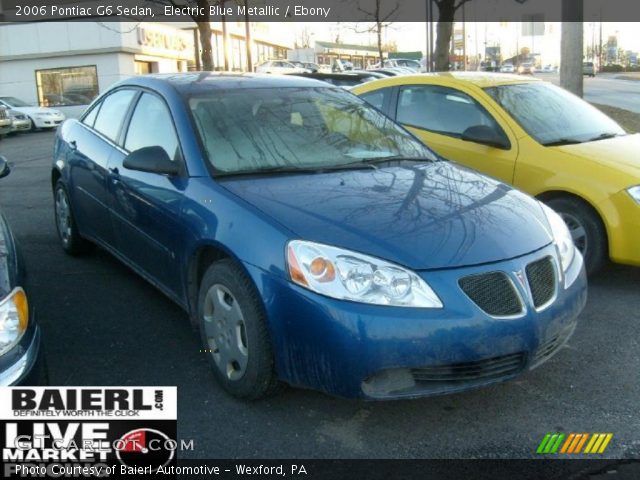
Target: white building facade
x=67, y=64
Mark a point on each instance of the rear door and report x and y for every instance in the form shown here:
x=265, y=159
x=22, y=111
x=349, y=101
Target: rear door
x=439, y=115
x=90, y=147
x=146, y=206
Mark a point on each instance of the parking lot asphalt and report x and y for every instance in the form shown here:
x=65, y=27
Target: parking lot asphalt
x=104, y=325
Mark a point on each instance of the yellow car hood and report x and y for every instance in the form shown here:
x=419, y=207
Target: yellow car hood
x=618, y=152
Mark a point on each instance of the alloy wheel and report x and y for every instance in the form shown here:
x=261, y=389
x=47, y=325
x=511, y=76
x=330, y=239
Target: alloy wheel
x=577, y=231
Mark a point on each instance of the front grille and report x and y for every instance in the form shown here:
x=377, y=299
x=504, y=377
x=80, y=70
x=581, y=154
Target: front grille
x=3, y=113
x=493, y=292
x=471, y=372
x=542, y=281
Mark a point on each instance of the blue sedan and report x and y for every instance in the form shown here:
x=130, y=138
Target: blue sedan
x=312, y=240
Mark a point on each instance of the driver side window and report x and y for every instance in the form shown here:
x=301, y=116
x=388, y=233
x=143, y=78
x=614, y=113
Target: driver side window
x=441, y=110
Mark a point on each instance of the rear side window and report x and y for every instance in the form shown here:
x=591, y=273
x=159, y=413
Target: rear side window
x=112, y=113
x=377, y=98
x=151, y=126
x=440, y=109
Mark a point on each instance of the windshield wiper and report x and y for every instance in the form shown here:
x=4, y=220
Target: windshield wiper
x=574, y=141
x=390, y=158
x=562, y=141
x=288, y=169
x=606, y=136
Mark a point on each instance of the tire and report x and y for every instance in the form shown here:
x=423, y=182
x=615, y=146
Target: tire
x=33, y=126
x=70, y=239
x=587, y=230
x=234, y=332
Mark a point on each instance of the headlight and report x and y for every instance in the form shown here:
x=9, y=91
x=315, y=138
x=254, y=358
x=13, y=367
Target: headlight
x=561, y=237
x=347, y=275
x=635, y=193
x=14, y=318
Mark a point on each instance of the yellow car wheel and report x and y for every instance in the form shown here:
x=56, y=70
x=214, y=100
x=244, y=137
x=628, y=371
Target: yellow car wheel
x=586, y=228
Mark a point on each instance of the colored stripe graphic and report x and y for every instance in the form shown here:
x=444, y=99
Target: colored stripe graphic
x=599, y=443
x=574, y=442
x=550, y=443
x=565, y=447
x=582, y=440
x=543, y=443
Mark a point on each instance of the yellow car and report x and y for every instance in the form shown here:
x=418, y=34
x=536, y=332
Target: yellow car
x=535, y=136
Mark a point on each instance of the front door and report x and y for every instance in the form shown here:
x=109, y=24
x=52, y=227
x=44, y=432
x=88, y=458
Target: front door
x=146, y=206
x=439, y=115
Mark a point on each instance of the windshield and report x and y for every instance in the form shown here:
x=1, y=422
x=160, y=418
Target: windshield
x=14, y=102
x=552, y=115
x=249, y=130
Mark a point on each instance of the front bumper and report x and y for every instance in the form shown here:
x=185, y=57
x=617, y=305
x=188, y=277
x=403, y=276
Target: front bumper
x=380, y=352
x=24, y=363
x=21, y=125
x=622, y=216
x=48, y=121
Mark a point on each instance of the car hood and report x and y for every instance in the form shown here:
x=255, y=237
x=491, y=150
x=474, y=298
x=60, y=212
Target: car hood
x=423, y=216
x=35, y=110
x=617, y=152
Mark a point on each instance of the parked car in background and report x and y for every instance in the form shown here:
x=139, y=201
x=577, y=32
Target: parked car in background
x=371, y=73
x=309, y=66
x=21, y=360
x=313, y=240
x=5, y=122
x=507, y=68
x=536, y=136
x=279, y=67
x=342, y=79
x=19, y=122
x=339, y=65
x=549, y=69
x=41, y=117
x=413, y=65
x=392, y=71
x=589, y=69
x=526, y=69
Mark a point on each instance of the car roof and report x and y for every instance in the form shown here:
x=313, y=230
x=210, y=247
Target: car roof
x=479, y=79
x=194, y=82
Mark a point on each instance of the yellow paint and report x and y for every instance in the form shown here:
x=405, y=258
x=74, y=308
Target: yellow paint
x=597, y=172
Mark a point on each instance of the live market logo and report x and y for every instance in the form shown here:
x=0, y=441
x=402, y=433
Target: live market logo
x=87, y=431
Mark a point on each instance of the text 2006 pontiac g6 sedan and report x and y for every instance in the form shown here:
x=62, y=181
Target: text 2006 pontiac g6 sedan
x=313, y=240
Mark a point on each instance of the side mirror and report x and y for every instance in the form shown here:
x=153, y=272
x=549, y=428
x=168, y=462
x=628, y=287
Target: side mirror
x=4, y=167
x=486, y=136
x=151, y=159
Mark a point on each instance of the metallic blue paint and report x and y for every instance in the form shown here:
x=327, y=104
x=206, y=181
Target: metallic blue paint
x=442, y=220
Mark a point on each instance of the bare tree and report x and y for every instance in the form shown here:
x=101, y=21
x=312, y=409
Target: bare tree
x=303, y=38
x=447, y=12
x=380, y=20
x=202, y=20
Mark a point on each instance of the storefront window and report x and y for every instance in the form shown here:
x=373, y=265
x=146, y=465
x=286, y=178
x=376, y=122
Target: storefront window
x=143, y=68
x=58, y=87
